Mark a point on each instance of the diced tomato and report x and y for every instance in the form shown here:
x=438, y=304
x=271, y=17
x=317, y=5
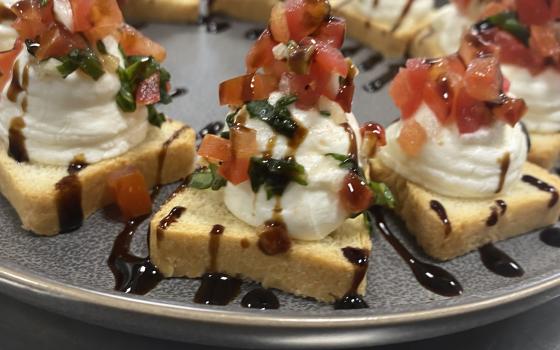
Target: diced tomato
x=469, y=113
x=462, y=5
x=279, y=23
x=277, y=68
x=545, y=41
x=235, y=170
x=81, y=12
x=58, y=41
x=135, y=43
x=32, y=18
x=533, y=12
x=555, y=9
x=148, y=91
x=215, y=148
x=406, y=90
x=243, y=142
x=494, y=8
x=483, y=78
x=412, y=138
x=512, y=51
x=355, y=195
x=246, y=88
x=346, y=95
x=331, y=60
x=7, y=59
x=507, y=85
x=371, y=128
x=129, y=191
x=331, y=32
x=439, y=99
x=511, y=111
x=106, y=17
x=261, y=55
x=305, y=88
x=305, y=16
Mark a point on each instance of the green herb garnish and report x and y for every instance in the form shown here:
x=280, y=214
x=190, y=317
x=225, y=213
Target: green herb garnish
x=136, y=70
x=83, y=59
x=278, y=117
x=275, y=175
x=509, y=22
x=206, y=178
x=383, y=195
x=346, y=162
x=325, y=113
x=101, y=47
x=43, y=3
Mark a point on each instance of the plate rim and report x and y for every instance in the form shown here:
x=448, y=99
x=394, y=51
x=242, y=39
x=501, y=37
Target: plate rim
x=40, y=285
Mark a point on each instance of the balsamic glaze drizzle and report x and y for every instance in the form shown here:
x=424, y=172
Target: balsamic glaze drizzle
x=261, y=299
x=352, y=300
x=551, y=236
x=499, y=262
x=169, y=220
x=385, y=78
x=431, y=277
x=133, y=274
x=178, y=92
x=543, y=186
x=253, y=33
x=217, y=289
x=214, y=246
x=442, y=214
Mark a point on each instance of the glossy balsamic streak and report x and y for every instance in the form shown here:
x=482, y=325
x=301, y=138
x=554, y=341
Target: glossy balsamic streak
x=493, y=218
x=169, y=220
x=253, y=33
x=402, y=16
x=352, y=300
x=351, y=50
x=163, y=152
x=504, y=167
x=214, y=246
x=15, y=87
x=543, y=186
x=371, y=62
x=217, y=289
x=133, y=274
x=527, y=136
x=431, y=277
x=69, y=197
x=178, y=92
x=442, y=214
x=502, y=205
x=213, y=128
x=551, y=236
x=16, y=141
x=385, y=78
x=274, y=238
x=499, y=262
x=261, y=299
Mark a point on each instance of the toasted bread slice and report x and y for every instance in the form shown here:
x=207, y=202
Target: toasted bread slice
x=32, y=189
x=383, y=37
x=473, y=222
x=545, y=149
x=248, y=10
x=187, y=248
x=162, y=10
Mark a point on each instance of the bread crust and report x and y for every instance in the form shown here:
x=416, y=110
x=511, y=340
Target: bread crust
x=545, y=149
x=527, y=210
x=311, y=269
x=162, y=10
x=30, y=188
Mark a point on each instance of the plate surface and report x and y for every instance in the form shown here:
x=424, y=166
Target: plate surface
x=68, y=274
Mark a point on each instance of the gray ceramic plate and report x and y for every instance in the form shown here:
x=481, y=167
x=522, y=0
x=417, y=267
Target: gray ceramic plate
x=68, y=274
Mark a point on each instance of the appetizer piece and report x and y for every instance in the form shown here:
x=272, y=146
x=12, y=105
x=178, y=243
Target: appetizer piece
x=386, y=25
x=273, y=200
x=78, y=103
x=456, y=160
x=161, y=10
x=525, y=35
x=443, y=36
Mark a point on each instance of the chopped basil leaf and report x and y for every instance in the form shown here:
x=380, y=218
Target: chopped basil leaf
x=136, y=70
x=101, y=47
x=278, y=117
x=346, y=162
x=43, y=3
x=383, y=195
x=508, y=22
x=368, y=222
x=206, y=178
x=325, y=113
x=230, y=119
x=154, y=117
x=225, y=135
x=275, y=175
x=83, y=59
